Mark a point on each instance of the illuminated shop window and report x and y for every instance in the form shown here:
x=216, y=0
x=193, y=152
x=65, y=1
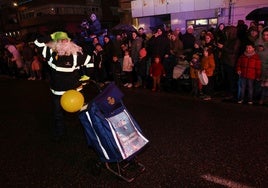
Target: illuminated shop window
x=201, y=22
x=213, y=21
x=190, y=22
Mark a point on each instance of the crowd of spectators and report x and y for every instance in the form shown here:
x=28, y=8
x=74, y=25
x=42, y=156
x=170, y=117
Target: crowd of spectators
x=128, y=58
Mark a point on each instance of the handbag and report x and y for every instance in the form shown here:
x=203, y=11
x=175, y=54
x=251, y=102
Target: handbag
x=203, y=77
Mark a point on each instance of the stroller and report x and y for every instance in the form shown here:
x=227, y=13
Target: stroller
x=113, y=133
x=181, y=74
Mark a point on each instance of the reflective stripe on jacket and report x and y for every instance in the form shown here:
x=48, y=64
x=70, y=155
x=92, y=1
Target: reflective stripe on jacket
x=64, y=70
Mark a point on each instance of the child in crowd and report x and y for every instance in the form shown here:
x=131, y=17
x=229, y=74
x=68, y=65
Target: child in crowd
x=249, y=69
x=127, y=69
x=195, y=66
x=208, y=65
x=156, y=72
x=36, y=67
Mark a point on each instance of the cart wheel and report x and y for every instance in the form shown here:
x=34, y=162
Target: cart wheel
x=96, y=168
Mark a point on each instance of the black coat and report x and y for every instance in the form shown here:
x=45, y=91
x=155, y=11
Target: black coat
x=158, y=46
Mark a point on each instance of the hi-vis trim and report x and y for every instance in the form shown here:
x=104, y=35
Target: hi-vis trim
x=62, y=92
x=44, y=52
x=39, y=44
x=63, y=69
x=87, y=64
x=57, y=92
x=102, y=148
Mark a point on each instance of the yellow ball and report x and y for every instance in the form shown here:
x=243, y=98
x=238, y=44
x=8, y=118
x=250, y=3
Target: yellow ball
x=72, y=101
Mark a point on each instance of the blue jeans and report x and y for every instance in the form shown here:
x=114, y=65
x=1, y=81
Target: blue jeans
x=245, y=83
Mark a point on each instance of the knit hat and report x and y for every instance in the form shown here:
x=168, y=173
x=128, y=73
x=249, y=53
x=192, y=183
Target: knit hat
x=190, y=27
x=59, y=35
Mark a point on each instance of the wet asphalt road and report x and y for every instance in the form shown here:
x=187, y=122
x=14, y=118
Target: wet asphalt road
x=193, y=143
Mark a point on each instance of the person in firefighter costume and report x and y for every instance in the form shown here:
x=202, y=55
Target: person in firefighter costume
x=65, y=60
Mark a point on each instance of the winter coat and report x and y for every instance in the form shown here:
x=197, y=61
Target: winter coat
x=109, y=52
x=97, y=59
x=176, y=47
x=158, y=46
x=142, y=66
x=231, y=47
x=157, y=69
x=188, y=41
x=136, y=45
x=249, y=66
x=127, y=64
x=36, y=64
x=195, y=66
x=264, y=57
x=16, y=57
x=95, y=27
x=208, y=64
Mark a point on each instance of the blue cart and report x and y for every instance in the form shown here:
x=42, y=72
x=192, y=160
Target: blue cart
x=113, y=133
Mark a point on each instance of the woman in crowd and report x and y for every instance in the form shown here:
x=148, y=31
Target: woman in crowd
x=230, y=49
x=263, y=53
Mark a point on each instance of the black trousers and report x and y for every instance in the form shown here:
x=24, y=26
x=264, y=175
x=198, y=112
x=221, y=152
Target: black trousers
x=58, y=116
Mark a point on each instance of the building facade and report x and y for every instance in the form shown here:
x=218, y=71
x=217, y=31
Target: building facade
x=47, y=15
x=200, y=13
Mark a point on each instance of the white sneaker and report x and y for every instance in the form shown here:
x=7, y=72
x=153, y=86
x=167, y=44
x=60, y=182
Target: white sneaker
x=130, y=85
x=240, y=101
x=207, y=98
x=126, y=84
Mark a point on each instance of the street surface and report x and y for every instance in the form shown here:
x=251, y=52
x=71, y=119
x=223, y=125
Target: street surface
x=193, y=143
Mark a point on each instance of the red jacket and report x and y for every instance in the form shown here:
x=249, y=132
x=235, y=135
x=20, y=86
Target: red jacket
x=249, y=66
x=157, y=69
